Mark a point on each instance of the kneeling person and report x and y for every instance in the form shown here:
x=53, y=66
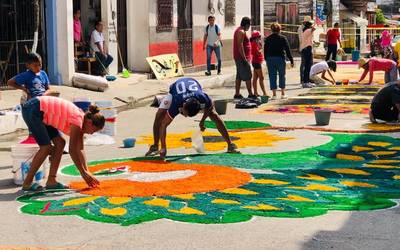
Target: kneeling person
x=386, y=103
x=322, y=68
x=185, y=97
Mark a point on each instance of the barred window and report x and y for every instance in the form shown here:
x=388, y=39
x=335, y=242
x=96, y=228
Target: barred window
x=164, y=15
x=230, y=12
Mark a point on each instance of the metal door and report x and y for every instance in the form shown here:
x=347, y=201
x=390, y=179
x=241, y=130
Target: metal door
x=185, y=32
x=16, y=36
x=122, y=33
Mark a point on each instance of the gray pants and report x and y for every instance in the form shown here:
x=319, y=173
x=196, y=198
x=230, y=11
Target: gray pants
x=391, y=76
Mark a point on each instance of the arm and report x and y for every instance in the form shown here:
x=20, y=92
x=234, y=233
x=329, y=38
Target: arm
x=333, y=79
x=371, y=71
x=288, y=52
x=206, y=114
x=219, y=38
x=78, y=155
x=325, y=78
x=204, y=41
x=364, y=74
x=100, y=48
x=12, y=83
x=163, y=135
x=240, y=40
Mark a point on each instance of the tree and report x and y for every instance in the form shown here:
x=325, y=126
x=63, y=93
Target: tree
x=380, y=18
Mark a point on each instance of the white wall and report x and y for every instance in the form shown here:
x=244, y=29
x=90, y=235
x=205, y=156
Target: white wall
x=65, y=43
x=110, y=31
x=138, y=34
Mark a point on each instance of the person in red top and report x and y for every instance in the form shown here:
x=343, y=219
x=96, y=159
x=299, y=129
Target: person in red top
x=332, y=38
x=257, y=60
x=375, y=64
x=242, y=57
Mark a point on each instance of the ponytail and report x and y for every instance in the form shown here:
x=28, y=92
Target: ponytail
x=95, y=116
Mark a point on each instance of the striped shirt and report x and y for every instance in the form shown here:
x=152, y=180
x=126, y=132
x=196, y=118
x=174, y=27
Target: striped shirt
x=60, y=113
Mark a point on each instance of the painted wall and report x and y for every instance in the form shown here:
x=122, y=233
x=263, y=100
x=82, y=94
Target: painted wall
x=138, y=34
x=166, y=42
x=110, y=31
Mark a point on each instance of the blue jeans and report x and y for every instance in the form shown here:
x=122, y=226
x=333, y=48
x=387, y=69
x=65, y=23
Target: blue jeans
x=33, y=118
x=307, y=59
x=276, y=66
x=391, y=76
x=217, y=51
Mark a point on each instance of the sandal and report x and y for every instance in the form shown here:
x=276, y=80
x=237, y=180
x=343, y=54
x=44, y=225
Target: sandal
x=58, y=186
x=33, y=188
x=232, y=149
x=153, y=150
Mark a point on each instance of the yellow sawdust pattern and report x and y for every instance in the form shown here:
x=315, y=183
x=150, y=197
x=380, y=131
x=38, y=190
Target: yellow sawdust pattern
x=381, y=127
x=246, y=139
x=317, y=187
x=380, y=166
x=269, y=182
x=350, y=157
x=157, y=202
x=80, y=201
x=184, y=196
x=361, y=149
x=379, y=144
x=118, y=211
x=380, y=153
x=224, y=201
x=385, y=161
x=395, y=148
x=312, y=177
x=118, y=200
x=262, y=207
x=396, y=177
x=357, y=184
x=187, y=211
x=240, y=191
x=348, y=171
x=296, y=198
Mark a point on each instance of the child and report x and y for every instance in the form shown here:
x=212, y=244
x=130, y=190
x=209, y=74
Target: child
x=375, y=64
x=323, y=67
x=34, y=82
x=257, y=60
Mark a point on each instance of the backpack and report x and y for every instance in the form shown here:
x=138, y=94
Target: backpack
x=216, y=31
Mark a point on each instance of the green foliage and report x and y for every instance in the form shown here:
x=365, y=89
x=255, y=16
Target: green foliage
x=380, y=18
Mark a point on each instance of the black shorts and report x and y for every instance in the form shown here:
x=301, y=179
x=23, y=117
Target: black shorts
x=256, y=65
x=385, y=113
x=243, y=70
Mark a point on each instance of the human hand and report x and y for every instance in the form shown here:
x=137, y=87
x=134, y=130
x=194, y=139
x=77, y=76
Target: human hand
x=90, y=179
x=292, y=64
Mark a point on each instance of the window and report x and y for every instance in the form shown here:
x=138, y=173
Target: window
x=230, y=12
x=164, y=15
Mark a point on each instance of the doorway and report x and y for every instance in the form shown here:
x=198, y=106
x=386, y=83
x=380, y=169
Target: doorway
x=255, y=15
x=185, y=32
x=122, y=33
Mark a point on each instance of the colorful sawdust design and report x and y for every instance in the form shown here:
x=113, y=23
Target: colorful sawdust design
x=238, y=125
x=213, y=141
x=382, y=127
x=336, y=108
x=351, y=172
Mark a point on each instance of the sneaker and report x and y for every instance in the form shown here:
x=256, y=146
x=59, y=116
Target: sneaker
x=284, y=97
x=308, y=85
x=273, y=97
x=219, y=72
x=238, y=97
x=208, y=73
x=252, y=97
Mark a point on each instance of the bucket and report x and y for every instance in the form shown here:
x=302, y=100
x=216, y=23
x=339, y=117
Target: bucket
x=355, y=55
x=110, y=114
x=220, y=106
x=129, y=142
x=322, y=116
x=22, y=155
x=83, y=105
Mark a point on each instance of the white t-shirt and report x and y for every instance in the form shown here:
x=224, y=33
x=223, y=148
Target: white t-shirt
x=212, y=35
x=96, y=37
x=319, y=68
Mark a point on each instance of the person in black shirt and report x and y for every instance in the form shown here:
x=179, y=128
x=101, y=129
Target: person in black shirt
x=276, y=47
x=386, y=103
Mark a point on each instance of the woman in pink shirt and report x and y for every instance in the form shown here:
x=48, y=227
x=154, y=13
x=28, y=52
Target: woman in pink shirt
x=47, y=115
x=375, y=64
x=77, y=27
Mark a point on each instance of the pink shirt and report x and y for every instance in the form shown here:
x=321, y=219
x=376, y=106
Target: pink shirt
x=306, y=39
x=376, y=64
x=60, y=113
x=386, y=38
x=77, y=31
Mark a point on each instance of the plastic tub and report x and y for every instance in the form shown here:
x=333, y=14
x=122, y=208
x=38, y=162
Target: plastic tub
x=220, y=106
x=322, y=116
x=355, y=55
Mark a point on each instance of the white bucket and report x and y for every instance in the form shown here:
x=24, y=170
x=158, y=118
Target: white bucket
x=110, y=114
x=22, y=155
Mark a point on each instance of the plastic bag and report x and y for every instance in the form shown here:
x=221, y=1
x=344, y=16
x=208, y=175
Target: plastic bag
x=198, y=142
x=98, y=139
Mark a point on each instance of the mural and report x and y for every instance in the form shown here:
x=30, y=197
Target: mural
x=165, y=66
x=351, y=172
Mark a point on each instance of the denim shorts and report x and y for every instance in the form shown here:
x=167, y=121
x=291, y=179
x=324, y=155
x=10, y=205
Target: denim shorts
x=256, y=65
x=33, y=118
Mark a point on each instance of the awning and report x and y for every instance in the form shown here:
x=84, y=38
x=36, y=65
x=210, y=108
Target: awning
x=357, y=19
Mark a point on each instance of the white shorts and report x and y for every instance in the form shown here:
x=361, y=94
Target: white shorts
x=165, y=101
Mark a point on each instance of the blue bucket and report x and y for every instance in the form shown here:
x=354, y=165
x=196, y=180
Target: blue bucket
x=355, y=55
x=83, y=105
